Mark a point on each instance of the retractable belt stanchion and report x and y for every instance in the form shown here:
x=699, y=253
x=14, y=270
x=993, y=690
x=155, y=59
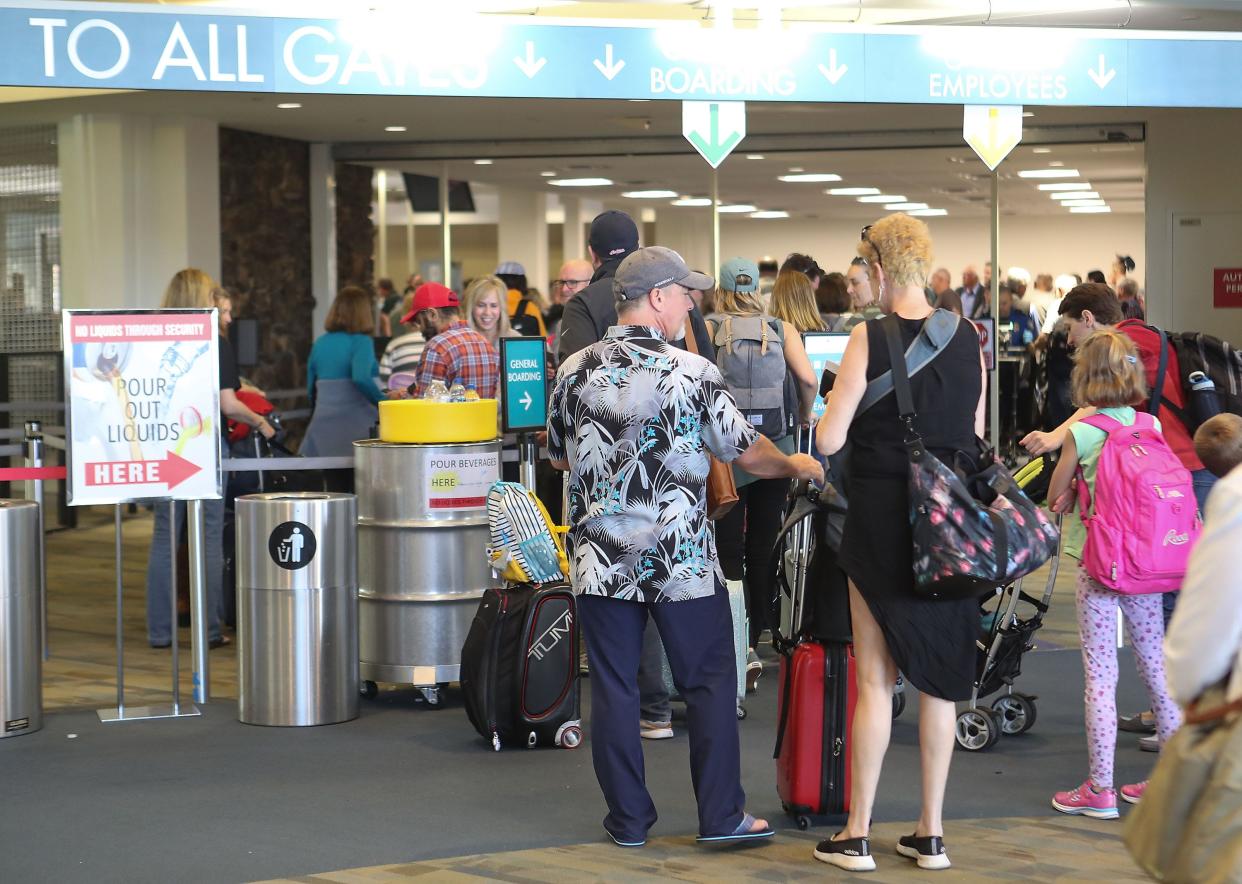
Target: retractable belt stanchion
x=198, y=602
x=527, y=453
x=33, y=444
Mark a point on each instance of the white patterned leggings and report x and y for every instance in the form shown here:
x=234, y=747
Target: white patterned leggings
x=1097, y=625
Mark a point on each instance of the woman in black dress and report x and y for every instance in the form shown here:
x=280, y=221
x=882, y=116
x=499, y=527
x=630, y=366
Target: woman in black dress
x=931, y=642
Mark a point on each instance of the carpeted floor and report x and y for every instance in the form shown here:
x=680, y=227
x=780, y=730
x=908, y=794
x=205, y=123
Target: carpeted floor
x=210, y=799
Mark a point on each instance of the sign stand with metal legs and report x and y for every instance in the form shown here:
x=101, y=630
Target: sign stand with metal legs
x=199, y=624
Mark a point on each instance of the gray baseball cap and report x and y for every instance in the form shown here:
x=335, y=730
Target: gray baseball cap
x=655, y=267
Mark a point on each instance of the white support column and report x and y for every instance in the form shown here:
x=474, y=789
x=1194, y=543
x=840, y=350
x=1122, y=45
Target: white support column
x=688, y=232
x=140, y=200
x=381, y=224
x=446, y=231
x=573, y=229
x=323, y=231
x=523, y=235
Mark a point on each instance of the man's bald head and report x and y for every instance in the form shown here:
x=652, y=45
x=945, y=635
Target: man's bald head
x=575, y=275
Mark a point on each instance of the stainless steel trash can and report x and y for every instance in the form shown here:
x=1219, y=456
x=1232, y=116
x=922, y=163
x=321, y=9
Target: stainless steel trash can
x=422, y=565
x=21, y=636
x=297, y=609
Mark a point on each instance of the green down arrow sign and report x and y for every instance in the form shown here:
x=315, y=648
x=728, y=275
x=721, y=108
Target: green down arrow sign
x=714, y=128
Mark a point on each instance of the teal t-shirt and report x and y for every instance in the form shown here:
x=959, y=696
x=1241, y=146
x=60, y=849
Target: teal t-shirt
x=1089, y=441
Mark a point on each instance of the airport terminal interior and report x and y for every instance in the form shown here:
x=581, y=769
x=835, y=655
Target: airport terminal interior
x=287, y=196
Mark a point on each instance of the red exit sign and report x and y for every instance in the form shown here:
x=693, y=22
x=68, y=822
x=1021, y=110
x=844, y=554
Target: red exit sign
x=1227, y=287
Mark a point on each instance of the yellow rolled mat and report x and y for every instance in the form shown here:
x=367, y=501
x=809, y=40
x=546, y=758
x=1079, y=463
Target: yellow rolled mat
x=430, y=423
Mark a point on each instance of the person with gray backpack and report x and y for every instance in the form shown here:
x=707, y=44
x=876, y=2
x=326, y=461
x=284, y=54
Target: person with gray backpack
x=770, y=377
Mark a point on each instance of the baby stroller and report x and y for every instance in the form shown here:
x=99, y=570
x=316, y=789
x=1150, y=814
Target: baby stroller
x=1003, y=638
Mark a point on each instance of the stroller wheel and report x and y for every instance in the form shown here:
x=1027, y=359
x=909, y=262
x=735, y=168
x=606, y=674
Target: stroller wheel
x=978, y=729
x=899, y=704
x=1017, y=713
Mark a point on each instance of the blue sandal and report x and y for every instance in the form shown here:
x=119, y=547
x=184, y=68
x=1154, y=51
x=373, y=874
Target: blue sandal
x=741, y=833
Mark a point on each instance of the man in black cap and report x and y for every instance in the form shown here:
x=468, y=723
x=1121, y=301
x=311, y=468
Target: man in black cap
x=614, y=235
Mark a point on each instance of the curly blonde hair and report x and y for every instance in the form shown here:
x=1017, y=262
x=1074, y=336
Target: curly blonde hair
x=793, y=300
x=1108, y=372
x=902, y=246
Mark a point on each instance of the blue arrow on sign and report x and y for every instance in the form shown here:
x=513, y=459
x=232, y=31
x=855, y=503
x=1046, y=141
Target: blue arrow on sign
x=714, y=127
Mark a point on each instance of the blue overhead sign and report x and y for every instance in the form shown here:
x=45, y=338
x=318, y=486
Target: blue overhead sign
x=523, y=384
x=88, y=45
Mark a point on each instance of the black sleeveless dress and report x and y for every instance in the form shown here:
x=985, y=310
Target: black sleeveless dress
x=933, y=642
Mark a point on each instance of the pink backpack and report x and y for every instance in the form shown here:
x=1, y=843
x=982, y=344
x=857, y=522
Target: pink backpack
x=1145, y=520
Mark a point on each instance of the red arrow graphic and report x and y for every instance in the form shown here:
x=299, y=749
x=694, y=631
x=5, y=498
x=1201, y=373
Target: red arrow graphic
x=171, y=471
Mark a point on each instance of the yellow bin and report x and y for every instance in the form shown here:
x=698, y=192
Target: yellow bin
x=434, y=423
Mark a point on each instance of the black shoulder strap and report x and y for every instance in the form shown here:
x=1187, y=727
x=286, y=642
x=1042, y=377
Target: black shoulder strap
x=1157, y=391
x=901, y=383
x=938, y=330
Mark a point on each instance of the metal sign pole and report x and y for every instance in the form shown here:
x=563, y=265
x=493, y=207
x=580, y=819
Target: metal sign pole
x=198, y=602
x=715, y=220
x=172, y=602
x=120, y=621
x=34, y=491
x=993, y=374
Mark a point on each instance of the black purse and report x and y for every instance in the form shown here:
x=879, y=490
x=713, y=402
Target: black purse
x=972, y=531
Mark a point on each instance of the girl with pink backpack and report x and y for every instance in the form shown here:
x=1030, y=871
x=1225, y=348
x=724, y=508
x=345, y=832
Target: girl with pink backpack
x=1137, y=523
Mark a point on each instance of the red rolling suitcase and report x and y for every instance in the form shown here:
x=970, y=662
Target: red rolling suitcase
x=817, y=700
x=817, y=687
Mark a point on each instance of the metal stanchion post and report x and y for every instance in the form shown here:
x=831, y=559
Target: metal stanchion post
x=33, y=444
x=526, y=460
x=198, y=602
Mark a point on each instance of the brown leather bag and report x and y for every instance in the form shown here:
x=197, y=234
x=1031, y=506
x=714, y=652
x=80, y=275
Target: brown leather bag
x=721, y=489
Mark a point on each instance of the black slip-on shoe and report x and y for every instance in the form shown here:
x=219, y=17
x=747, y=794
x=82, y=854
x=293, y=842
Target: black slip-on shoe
x=851, y=854
x=928, y=852
x=626, y=842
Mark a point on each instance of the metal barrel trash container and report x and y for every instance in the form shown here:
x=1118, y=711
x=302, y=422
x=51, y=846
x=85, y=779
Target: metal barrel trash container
x=422, y=565
x=297, y=609
x=21, y=634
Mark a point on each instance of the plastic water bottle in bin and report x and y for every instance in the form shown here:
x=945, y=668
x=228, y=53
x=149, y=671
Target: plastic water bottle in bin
x=472, y=395
x=457, y=393
x=436, y=392
x=1204, y=401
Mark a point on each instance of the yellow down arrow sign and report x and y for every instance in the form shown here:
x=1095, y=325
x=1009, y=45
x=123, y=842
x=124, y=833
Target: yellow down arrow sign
x=992, y=131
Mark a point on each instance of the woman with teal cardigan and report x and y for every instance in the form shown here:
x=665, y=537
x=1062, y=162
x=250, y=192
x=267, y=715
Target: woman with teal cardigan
x=340, y=378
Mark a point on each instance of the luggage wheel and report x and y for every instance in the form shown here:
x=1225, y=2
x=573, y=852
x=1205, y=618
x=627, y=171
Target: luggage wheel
x=741, y=712
x=804, y=822
x=569, y=737
x=368, y=689
x=433, y=695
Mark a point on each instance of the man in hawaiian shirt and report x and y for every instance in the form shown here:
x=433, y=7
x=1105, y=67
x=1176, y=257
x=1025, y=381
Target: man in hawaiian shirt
x=633, y=419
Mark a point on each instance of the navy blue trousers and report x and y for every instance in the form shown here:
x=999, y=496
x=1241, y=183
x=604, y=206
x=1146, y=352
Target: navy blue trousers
x=698, y=637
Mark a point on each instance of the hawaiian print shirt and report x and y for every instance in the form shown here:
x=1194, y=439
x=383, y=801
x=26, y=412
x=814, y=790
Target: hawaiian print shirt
x=635, y=417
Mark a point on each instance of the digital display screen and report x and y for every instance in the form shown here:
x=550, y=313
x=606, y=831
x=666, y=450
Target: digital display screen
x=825, y=350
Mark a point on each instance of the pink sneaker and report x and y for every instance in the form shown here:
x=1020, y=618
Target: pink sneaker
x=1134, y=794
x=1085, y=801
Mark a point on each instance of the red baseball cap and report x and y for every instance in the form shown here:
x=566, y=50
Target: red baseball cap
x=431, y=294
